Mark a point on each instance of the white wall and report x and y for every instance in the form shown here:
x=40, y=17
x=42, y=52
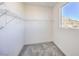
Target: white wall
x=15, y=7
x=12, y=35
x=38, y=24
x=12, y=38
x=37, y=12
x=38, y=21
x=66, y=39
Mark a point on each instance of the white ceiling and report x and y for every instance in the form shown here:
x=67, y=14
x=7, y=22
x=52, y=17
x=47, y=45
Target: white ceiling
x=48, y=4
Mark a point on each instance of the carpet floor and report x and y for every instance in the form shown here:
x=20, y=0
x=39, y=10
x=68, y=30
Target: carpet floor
x=41, y=49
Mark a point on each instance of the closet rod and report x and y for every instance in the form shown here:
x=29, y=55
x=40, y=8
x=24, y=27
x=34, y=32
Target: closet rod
x=12, y=15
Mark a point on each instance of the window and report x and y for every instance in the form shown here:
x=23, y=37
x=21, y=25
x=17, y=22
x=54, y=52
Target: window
x=70, y=15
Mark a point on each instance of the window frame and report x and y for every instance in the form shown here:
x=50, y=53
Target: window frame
x=61, y=18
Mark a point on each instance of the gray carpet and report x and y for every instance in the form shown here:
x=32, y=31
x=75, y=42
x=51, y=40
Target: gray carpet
x=41, y=49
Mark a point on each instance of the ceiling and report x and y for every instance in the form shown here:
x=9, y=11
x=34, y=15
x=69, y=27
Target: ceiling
x=48, y=4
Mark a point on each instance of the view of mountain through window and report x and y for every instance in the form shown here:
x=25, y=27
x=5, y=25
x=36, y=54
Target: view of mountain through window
x=70, y=15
